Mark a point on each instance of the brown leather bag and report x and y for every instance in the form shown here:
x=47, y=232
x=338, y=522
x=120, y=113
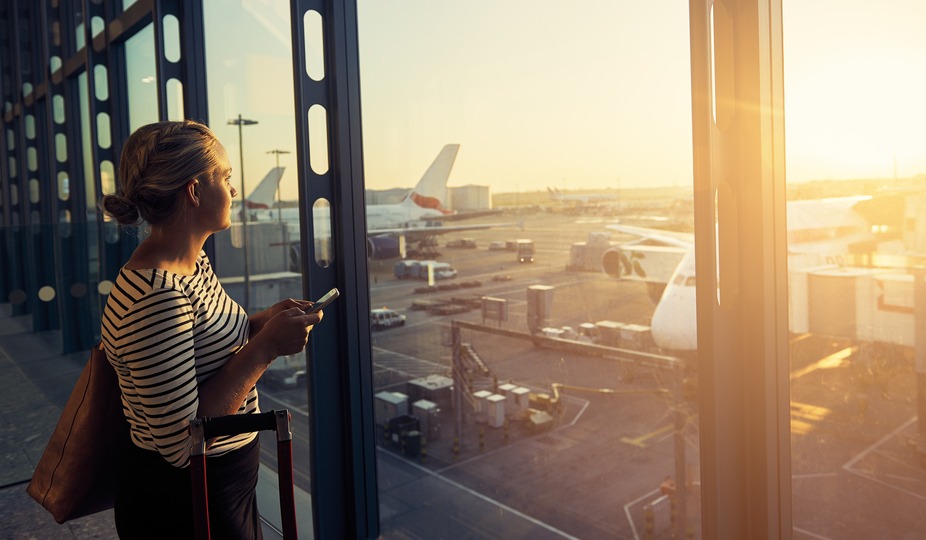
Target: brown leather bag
x=76, y=475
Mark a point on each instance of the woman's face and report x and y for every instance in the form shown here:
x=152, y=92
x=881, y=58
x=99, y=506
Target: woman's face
x=217, y=191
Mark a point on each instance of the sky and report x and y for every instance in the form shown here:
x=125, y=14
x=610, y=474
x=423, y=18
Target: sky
x=600, y=97
x=539, y=96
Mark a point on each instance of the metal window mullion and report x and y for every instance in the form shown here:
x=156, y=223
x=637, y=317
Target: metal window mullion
x=24, y=263
x=96, y=55
x=164, y=70
x=115, y=255
x=6, y=95
x=191, y=69
x=741, y=269
x=71, y=250
x=38, y=238
x=343, y=464
x=8, y=272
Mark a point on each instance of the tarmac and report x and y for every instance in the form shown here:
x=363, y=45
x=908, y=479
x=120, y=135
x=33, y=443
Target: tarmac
x=35, y=382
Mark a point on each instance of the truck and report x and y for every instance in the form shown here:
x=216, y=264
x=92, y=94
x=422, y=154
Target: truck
x=525, y=250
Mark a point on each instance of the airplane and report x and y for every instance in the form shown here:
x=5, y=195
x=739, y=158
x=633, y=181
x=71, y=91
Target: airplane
x=416, y=219
x=262, y=198
x=822, y=233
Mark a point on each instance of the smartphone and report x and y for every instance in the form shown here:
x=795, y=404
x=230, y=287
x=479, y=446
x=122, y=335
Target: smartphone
x=323, y=301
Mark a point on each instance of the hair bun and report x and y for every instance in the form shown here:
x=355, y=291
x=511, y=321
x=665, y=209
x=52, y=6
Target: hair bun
x=121, y=209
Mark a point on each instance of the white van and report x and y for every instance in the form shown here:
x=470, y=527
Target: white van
x=385, y=318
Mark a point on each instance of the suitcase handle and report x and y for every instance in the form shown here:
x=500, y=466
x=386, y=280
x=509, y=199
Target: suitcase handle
x=233, y=424
x=203, y=429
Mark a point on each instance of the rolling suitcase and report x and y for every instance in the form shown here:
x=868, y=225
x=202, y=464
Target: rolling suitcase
x=203, y=429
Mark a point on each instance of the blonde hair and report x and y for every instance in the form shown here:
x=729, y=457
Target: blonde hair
x=157, y=162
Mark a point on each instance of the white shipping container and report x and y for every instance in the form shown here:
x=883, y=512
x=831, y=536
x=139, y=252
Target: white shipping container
x=481, y=405
x=496, y=410
x=521, y=400
x=388, y=405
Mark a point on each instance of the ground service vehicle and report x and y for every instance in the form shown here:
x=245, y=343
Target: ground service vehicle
x=380, y=319
x=525, y=250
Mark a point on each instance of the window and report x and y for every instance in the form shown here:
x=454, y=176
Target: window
x=536, y=134
x=250, y=81
x=854, y=81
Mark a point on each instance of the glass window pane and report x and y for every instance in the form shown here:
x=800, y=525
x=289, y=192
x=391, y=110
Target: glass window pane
x=141, y=78
x=251, y=105
x=856, y=232
x=531, y=380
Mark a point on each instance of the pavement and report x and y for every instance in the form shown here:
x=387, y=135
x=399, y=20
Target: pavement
x=35, y=381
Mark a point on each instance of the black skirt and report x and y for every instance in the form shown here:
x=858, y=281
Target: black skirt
x=154, y=499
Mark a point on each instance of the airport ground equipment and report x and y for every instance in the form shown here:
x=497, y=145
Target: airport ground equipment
x=525, y=249
x=463, y=361
x=385, y=318
x=203, y=429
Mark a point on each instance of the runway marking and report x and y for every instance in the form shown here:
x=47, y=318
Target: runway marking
x=384, y=362
x=304, y=409
x=849, y=466
x=808, y=533
x=478, y=495
x=641, y=441
x=627, y=506
x=813, y=475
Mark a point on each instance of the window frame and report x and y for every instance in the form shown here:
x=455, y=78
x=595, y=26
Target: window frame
x=736, y=50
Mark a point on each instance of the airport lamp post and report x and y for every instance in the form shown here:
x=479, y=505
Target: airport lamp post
x=279, y=199
x=241, y=122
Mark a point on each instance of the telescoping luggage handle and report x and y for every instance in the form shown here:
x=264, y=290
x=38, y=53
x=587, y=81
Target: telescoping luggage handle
x=203, y=429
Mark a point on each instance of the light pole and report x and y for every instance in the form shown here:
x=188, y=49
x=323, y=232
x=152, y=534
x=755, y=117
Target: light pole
x=279, y=199
x=240, y=122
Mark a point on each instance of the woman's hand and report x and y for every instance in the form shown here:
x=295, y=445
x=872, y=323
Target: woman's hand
x=286, y=332
x=258, y=320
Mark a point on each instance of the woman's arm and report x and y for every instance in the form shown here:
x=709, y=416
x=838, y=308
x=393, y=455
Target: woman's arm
x=285, y=332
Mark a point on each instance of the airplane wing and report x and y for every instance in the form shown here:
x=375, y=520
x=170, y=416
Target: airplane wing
x=384, y=243
x=656, y=236
x=410, y=232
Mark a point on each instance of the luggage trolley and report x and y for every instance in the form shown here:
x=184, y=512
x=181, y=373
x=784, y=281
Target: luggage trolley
x=203, y=429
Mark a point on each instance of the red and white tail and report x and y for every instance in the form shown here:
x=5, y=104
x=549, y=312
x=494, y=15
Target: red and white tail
x=431, y=190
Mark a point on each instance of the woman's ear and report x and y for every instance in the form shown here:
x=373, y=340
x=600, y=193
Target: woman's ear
x=192, y=192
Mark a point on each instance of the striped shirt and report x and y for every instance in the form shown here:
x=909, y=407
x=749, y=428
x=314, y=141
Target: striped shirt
x=165, y=334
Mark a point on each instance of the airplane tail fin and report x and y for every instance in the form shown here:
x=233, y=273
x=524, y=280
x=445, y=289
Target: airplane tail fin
x=431, y=190
x=264, y=195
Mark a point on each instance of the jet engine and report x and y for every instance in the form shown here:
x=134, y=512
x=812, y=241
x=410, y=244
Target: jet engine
x=382, y=247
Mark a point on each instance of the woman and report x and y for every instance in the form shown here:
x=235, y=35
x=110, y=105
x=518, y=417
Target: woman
x=180, y=346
